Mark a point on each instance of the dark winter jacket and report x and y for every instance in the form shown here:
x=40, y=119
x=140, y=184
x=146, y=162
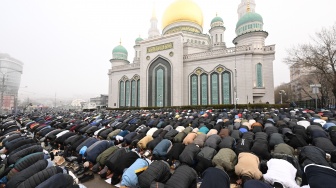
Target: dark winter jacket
x=40, y=177
x=261, y=149
x=256, y=183
x=202, y=164
x=158, y=171
x=171, y=134
x=227, y=142
x=20, y=177
x=160, y=151
x=125, y=161
x=175, y=152
x=112, y=161
x=101, y=159
x=189, y=154
x=275, y=139
x=243, y=146
x=97, y=148
x=25, y=162
x=325, y=144
x=213, y=141
x=320, y=176
x=207, y=153
x=200, y=139
x=88, y=142
x=153, y=143
x=312, y=154
x=215, y=178
x=185, y=175
x=63, y=180
x=24, y=152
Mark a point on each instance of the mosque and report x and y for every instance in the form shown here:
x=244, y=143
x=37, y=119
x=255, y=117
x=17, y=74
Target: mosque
x=183, y=65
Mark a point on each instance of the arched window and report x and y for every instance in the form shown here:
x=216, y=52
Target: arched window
x=127, y=93
x=159, y=83
x=214, y=88
x=138, y=91
x=259, y=75
x=122, y=94
x=204, y=89
x=134, y=93
x=226, y=87
x=194, y=89
x=221, y=37
x=216, y=38
x=159, y=86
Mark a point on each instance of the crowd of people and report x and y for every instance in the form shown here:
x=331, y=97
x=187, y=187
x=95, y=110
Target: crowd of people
x=169, y=148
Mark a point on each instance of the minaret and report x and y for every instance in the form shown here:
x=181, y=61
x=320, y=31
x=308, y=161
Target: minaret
x=137, y=50
x=243, y=6
x=153, y=31
x=217, y=33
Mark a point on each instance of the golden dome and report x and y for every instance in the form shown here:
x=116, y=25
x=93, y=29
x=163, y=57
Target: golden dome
x=182, y=10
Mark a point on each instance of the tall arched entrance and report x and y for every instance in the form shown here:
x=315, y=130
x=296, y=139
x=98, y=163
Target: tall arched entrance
x=159, y=83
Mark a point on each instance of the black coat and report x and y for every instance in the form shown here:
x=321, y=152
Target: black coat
x=158, y=171
x=188, y=156
x=215, y=178
x=16, y=156
x=25, y=162
x=40, y=177
x=57, y=181
x=185, y=176
x=312, y=154
x=20, y=177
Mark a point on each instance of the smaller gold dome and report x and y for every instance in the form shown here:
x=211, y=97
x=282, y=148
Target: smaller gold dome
x=182, y=10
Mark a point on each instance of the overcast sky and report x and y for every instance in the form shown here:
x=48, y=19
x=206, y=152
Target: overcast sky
x=66, y=45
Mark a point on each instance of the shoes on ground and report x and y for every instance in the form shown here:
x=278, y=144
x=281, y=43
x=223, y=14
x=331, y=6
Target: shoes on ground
x=86, y=177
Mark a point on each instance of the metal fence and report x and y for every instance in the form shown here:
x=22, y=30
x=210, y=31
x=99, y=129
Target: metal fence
x=329, y=104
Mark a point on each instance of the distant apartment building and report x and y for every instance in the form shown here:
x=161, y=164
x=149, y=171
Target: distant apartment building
x=10, y=78
x=301, y=81
x=101, y=101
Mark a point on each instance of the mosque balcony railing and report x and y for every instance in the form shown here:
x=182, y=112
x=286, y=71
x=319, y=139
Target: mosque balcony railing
x=125, y=67
x=228, y=51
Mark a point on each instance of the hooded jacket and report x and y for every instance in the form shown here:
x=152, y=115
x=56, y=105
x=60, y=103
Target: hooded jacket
x=162, y=148
x=281, y=171
x=97, y=148
x=36, y=179
x=248, y=165
x=185, y=176
x=189, y=154
x=215, y=178
x=130, y=176
x=200, y=139
x=158, y=171
x=20, y=177
x=225, y=159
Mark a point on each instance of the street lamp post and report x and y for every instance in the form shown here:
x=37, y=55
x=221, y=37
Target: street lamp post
x=235, y=68
x=315, y=88
x=281, y=92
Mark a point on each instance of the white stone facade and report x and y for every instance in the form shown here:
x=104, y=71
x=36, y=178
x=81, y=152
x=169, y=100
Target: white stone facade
x=194, y=54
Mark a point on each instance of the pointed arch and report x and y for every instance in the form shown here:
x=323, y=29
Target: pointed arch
x=204, y=89
x=121, y=93
x=226, y=87
x=214, y=81
x=194, y=89
x=159, y=83
x=259, y=76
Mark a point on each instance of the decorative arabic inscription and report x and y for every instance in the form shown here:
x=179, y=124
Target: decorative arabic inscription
x=160, y=47
x=183, y=28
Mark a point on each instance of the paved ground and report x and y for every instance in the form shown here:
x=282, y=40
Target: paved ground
x=97, y=182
